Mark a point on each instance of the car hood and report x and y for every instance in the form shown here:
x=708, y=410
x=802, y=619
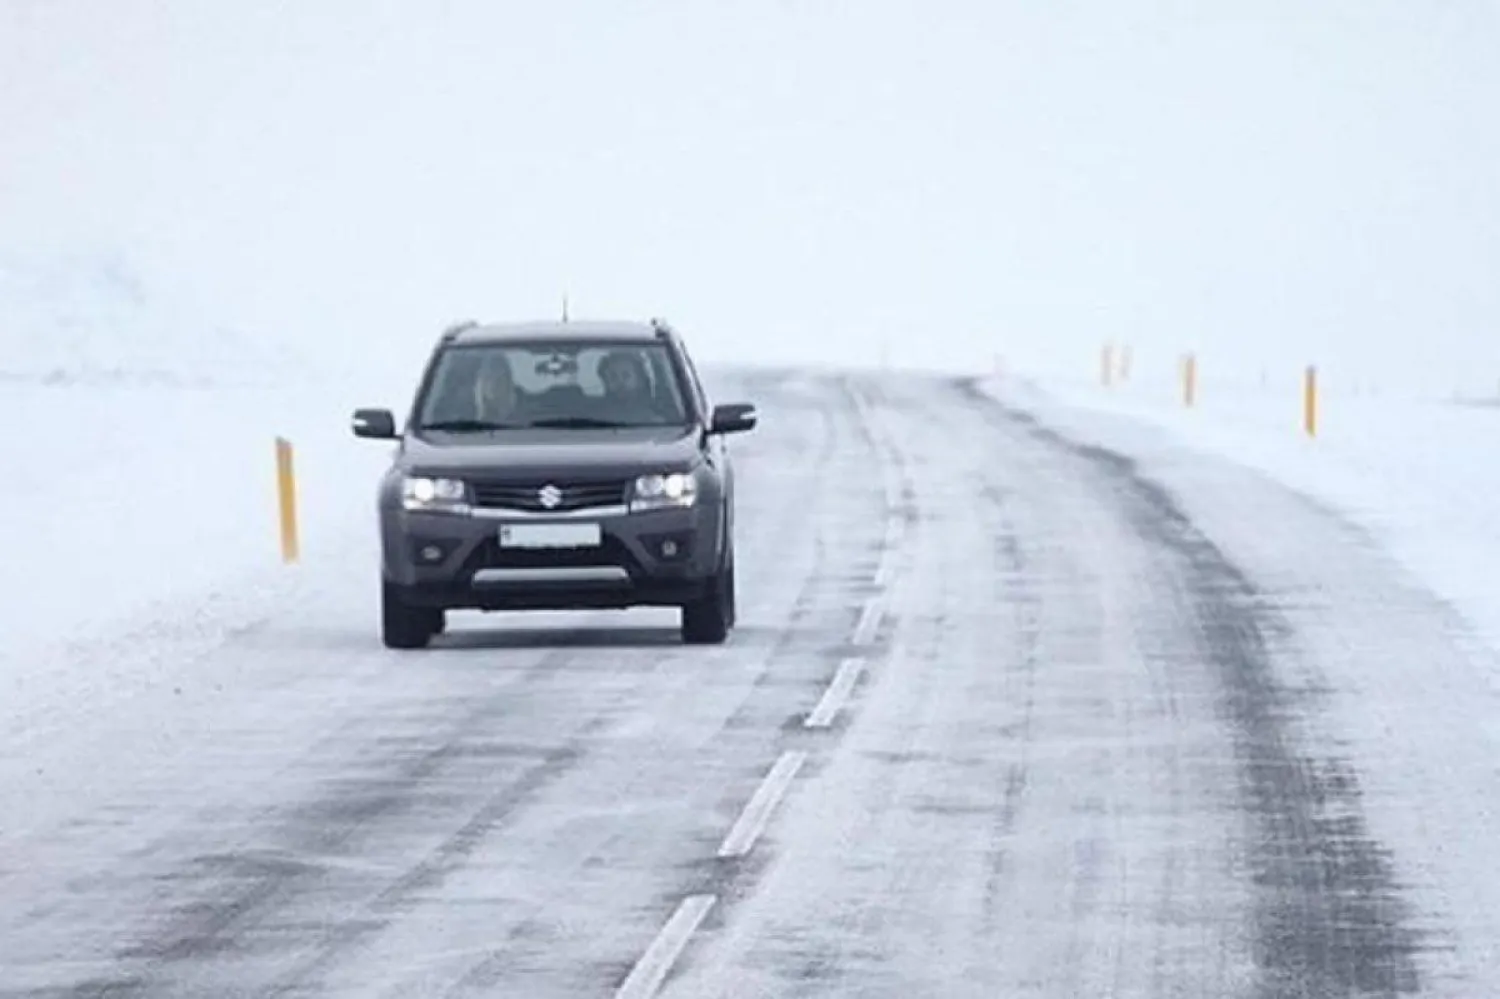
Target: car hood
x=524, y=455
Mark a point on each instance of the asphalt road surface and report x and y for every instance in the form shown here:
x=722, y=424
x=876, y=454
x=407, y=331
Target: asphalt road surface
x=999, y=721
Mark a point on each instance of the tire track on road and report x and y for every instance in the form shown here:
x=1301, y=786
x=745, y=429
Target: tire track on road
x=1329, y=918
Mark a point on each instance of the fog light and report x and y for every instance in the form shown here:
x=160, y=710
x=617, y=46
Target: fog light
x=432, y=553
x=674, y=547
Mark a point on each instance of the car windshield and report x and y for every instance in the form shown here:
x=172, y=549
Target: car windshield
x=478, y=388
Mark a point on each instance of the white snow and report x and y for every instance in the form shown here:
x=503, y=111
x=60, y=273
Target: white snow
x=152, y=508
x=89, y=318
x=139, y=517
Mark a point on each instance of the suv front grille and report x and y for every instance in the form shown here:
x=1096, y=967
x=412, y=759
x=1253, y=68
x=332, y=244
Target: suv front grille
x=571, y=496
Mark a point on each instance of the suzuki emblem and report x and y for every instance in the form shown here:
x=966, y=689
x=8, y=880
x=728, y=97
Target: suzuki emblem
x=550, y=496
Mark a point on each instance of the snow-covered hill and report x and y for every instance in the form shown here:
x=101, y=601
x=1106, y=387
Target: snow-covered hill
x=91, y=319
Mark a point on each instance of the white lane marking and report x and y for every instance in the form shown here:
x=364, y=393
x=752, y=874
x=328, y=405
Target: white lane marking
x=895, y=529
x=652, y=969
x=869, y=622
x=752, y=821
x=895, y=532
x=887, y=563
x=836, y=695
x=891, y=490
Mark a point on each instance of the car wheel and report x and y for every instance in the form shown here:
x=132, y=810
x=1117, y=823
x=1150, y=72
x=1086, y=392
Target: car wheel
x=707, y=620
x=403, y=626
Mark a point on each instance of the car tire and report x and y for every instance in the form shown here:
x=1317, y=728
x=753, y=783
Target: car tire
x=403, y=626
x=707, y=620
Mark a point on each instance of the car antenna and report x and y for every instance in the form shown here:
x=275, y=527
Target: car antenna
x=565, y=307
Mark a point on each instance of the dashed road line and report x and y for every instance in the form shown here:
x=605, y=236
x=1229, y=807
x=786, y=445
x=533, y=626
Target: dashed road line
x=646, y=978
x=837, y=694
x=887, y=556
x=895, y=529
x=752, y=821
x=888, y=546
x=869, y=621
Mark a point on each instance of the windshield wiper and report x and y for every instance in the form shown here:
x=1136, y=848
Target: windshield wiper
x=468, y=426
x=575, y=421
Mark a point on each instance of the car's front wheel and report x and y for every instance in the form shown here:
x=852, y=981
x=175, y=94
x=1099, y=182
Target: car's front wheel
x=403, y=626
x=707, y=620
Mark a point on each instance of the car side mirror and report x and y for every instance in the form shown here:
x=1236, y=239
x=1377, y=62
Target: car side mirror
x=733, y=418
x=377, y=424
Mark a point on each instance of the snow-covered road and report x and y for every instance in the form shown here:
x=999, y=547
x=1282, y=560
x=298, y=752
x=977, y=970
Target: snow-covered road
x=1006, y=715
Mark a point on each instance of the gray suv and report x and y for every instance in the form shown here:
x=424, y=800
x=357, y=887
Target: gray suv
x=557, y=466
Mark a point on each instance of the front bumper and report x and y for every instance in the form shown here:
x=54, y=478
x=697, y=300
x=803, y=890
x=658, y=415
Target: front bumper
x=456, y=561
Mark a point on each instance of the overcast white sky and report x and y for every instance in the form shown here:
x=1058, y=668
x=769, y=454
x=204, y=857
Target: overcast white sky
x=1277, y=180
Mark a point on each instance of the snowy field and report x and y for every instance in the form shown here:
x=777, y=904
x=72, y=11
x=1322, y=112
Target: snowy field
x=145, y=537
x=141, y=528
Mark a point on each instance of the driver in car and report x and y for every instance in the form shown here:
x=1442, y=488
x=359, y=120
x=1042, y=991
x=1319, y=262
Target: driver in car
x=496, y=396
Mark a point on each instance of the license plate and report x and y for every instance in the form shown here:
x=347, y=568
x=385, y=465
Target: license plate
x=550, y=536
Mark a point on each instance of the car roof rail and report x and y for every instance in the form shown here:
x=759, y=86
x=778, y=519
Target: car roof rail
x=453, y=330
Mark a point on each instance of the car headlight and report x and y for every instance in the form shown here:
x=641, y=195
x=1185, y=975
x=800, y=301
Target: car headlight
x=429, y=495
x=660, y=492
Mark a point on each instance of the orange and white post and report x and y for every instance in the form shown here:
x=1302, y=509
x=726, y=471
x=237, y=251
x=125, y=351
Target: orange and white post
x=286, y=494
x=1310, y=401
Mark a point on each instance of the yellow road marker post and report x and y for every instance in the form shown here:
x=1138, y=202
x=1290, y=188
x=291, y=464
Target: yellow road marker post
x=1310, y=401
x=286, y=492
